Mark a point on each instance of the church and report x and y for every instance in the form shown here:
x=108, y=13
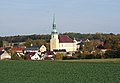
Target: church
x=61, y=42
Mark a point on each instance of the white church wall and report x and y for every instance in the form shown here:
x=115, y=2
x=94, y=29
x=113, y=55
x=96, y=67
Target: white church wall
x=68, y=46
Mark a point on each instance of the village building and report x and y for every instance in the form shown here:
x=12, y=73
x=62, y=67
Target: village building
x=35, y=56
x=17, y=49
x=4, y=55
x=61, y=42
x=35, y=52
x=41, y=48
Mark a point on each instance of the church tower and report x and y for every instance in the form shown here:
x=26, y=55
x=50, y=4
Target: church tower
x=54, y=41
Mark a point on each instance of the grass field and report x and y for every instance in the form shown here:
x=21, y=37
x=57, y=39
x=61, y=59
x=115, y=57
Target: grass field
x=59, y=72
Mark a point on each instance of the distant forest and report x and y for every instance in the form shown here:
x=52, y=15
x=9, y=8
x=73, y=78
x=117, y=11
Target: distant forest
x=77, y=36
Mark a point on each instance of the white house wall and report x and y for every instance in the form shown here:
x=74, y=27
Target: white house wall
x=35, y=57
x=42, y=48
x=5, y=55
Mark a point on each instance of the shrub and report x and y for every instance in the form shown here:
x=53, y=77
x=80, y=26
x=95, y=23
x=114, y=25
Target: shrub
x=112, y=54
x=98, y=56
x=59, y=56
x=90, y=56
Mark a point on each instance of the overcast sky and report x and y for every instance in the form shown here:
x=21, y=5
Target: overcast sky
x=21, y=17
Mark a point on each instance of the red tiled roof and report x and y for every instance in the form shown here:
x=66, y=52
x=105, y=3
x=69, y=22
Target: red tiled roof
x=1, y=48
x=50, y=53
x=17, y=48
x=65, y=39
x=31, y=54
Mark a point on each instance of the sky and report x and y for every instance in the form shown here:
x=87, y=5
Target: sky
x=27, y=17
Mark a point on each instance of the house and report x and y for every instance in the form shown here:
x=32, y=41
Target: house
x=20, y=44
x=20, y=54
x=61, y=42
x=4, y=55
x=41, y=48
x=18, y=49
x=7, y=44
x=41, y=56
x=1, y=48
x=35, y=56
x=102, y=51
x=49, y=55
x=35, y=52
x=5, y=49
x=87, y=40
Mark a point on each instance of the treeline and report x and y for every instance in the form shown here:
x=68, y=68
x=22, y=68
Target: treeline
x=100, y=36
x=24, y=38
x=77, y=36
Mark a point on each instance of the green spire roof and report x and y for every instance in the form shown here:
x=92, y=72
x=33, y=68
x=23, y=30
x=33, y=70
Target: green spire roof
x=54, y=30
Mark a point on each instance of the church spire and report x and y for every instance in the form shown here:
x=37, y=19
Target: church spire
x=54, y=25
x=54, y=30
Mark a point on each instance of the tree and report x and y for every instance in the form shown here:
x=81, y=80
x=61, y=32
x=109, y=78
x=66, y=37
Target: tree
x=108, y=44
x=59, y=56
x=1, y=43
x=29, y=42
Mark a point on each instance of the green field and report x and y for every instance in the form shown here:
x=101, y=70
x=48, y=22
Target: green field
x=59, y=72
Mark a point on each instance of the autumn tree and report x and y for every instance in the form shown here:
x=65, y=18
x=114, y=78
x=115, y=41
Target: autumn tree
x=1, y=43
x=29, y=42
